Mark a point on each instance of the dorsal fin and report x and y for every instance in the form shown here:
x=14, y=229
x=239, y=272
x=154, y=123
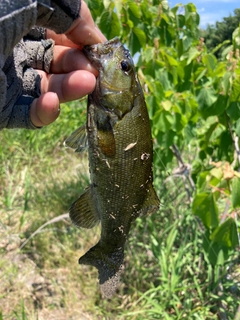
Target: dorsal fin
x=83, y=212
x=77, y=140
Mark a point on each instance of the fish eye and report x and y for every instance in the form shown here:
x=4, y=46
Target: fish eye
x=125, y=65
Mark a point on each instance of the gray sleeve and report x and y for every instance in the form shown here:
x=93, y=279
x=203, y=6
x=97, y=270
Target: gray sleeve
x=18, y=17
x=58, y=15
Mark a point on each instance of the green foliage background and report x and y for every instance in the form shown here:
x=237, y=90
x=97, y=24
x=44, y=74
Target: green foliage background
x=182, y=262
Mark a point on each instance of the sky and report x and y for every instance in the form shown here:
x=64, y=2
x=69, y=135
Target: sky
x=210, y=11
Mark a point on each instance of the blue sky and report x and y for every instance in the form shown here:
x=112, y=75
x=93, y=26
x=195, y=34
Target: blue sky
x=211, y=11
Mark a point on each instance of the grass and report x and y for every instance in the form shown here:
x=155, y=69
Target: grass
x=166, y=275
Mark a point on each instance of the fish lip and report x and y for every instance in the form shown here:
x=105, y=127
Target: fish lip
x=95, y=52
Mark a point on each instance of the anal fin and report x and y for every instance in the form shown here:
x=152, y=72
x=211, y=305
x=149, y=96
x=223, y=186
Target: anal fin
x=83, y=212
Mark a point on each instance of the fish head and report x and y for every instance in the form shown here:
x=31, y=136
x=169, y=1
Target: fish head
x=117, y=84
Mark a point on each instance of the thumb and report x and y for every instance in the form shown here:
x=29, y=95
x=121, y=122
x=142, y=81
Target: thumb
x=45, y=109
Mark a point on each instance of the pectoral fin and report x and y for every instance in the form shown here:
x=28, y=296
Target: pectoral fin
x=106, y=143
x=83, y=213
x=77, y=140
x=151, y=203
x=105, y=136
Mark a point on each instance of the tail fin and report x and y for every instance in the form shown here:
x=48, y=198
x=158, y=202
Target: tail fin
x=109, y=265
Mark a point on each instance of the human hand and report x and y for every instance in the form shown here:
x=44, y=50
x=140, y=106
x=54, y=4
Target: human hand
x=71, y=75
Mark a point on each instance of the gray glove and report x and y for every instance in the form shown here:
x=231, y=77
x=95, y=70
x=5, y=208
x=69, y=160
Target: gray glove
x=23, y=81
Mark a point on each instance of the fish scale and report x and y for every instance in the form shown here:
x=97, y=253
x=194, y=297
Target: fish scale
x=120, y=160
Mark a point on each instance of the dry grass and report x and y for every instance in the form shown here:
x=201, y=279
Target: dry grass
x=42, y=274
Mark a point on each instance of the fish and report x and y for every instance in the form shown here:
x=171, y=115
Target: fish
x=117, y=135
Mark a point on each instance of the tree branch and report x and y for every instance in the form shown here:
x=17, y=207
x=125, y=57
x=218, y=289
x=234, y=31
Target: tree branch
x=184, y=171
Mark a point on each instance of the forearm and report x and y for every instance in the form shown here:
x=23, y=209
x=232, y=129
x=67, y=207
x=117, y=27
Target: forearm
x=57, y=15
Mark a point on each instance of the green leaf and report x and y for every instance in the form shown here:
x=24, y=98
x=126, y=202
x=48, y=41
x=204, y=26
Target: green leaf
x=179, y=122
x=204, y=206
x=167, y=105
x=233, y=111
x=140, y=34
x=188, y=132
x=217, y=173
x=237, y=130
x=179, y=47
x=235, y=95
x=217, y=132
x=210, y=62
x=187, y=44
x=180, y=20
x=164, y=121
x=226, y=234
x=236, y=192
x=189, y=9
x=137, y=40
x=190, y=55
x=226, y=82
x=130, y=23
x=135, y=9
x=148, y=54
x=106, y=3
x=164, y=3
x=201, y=181
x=109, y=24
x=118, y=4
x=218, y=107
x=236, y=37
x=171, y=60
x=211, y=249
x=206, y=98
x=96, y=7
x=162, y=77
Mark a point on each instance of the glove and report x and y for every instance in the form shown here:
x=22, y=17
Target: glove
x=23, y=81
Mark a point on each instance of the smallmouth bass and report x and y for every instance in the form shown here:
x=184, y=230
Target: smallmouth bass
x=120, y=151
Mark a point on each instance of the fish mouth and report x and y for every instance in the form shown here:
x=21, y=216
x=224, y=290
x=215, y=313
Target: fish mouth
x=95, y=52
